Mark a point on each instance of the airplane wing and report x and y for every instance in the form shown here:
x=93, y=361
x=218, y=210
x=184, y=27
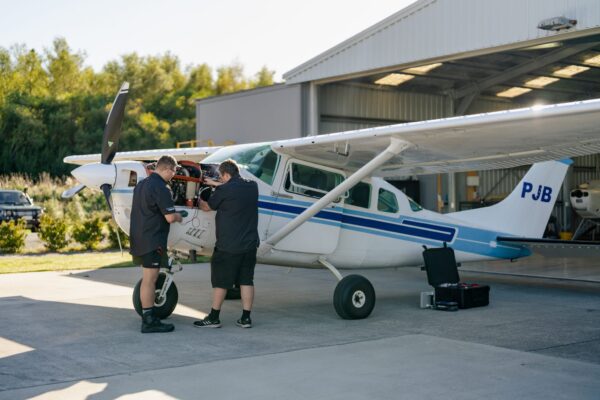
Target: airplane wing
x=468, y=143
x=554, y=247
x=189, y=153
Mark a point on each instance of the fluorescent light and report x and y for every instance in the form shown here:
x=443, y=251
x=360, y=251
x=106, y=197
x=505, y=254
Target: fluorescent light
x=540, y=82
x=594, y=61
x=394, y=79
x=571, y=70
x=423, y=69
x=513, y=92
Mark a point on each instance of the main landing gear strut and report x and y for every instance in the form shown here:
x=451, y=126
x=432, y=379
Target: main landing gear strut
x=354, y=296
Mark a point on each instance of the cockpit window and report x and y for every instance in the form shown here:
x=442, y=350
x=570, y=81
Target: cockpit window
x=309, y=181
x=387, y=201
x=258, y=159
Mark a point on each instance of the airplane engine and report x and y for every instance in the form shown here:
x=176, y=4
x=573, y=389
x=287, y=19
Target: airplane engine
x=187, y=184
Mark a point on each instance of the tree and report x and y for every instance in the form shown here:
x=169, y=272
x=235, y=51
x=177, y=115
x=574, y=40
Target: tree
x=264, y=77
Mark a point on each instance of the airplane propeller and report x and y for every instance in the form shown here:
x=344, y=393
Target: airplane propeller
x=103, y=175
x=100, y=175
x=112, y=130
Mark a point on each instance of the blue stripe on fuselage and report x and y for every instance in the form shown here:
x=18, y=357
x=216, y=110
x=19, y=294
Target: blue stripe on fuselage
x=471, y=240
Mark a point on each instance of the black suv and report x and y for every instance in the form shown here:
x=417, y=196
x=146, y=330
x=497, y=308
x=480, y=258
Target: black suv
x=15, y=204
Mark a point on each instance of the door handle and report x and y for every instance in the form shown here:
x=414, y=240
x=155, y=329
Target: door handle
x=282, y=195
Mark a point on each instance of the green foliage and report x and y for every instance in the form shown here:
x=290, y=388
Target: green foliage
x=12, y=236
x=53, y=231
x=112, y=236
x=89, y=233
x=52, y=106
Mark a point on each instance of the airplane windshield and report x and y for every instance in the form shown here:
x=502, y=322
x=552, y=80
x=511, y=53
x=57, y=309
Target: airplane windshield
x=258, y=159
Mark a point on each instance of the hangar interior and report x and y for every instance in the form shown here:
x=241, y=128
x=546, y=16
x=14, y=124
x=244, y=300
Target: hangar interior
x=381, y=76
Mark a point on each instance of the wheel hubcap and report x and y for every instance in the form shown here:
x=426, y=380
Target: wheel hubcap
x=359, y=299
x=159, y=301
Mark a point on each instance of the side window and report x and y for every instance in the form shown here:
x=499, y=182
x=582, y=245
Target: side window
x=309, y=181
x=132, y=179
x=387, y=201
x=360, y=195
x=414, y=205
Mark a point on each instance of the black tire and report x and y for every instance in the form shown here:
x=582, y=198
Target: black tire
x=354, y=297
x=164, y=309
x=234, y=293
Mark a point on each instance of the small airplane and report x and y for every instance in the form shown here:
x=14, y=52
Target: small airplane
x=324, y=203
x=585, y=200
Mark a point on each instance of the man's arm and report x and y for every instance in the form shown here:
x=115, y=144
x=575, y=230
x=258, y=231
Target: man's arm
x=173, y=217
x=164, y=201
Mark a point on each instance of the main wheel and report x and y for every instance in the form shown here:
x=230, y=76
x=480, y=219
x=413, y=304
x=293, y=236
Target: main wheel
x=162, y=307
x=354, y=297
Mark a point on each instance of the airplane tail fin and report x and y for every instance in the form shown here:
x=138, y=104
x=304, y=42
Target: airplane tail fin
x=525, y=212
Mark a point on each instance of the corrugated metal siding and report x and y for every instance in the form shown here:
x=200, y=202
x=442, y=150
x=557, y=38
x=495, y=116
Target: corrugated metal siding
x=436, y=29
x=499, y=183
x=488, y=105
x=345, y=107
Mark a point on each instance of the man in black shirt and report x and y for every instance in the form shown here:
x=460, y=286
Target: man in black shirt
x=236, y=201
x=152, y=212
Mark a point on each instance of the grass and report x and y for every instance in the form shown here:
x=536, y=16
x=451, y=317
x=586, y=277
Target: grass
x=69, y=261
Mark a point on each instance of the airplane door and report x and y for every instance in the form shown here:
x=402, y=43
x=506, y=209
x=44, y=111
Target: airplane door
x=301, y=185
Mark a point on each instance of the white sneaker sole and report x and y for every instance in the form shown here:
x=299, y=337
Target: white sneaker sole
x=208, y=326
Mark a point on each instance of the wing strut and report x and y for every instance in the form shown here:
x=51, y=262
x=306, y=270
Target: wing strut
x=395, y=147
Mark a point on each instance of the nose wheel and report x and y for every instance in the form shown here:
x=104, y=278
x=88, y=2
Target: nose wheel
x=163, y=305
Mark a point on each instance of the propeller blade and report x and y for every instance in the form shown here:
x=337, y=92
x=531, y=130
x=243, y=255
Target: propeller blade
x=106, y=190
x=112, y=130
x=67, y=194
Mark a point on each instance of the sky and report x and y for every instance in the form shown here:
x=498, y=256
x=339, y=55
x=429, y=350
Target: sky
x=278, y=34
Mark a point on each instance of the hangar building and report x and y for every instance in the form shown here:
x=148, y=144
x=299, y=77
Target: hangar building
x=433, y=59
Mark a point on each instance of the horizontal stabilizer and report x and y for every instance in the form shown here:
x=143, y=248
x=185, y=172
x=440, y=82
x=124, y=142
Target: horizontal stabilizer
x=555, y=247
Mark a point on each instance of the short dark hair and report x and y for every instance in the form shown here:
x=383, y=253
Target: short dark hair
x=230, y=167
x=166, y=161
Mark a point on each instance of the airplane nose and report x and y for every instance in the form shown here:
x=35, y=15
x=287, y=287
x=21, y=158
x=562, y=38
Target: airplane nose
x=95, y=175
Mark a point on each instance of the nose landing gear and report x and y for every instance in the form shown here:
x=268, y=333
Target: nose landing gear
x=166, y=294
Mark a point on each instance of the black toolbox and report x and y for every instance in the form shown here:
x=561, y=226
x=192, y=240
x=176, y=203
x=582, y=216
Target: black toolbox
x=466, y=295
x=442, y=274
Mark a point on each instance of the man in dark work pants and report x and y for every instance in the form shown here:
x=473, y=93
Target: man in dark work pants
x=152, y=212
x=236, y=201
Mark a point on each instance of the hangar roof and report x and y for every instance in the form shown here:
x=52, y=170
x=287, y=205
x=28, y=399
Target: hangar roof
x=431, y=31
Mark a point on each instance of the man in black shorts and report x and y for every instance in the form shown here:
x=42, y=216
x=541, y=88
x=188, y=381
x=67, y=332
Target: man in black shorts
x=152, y=212
x=236, y=201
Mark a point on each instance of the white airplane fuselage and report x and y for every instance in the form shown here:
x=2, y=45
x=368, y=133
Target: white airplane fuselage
x=347, y=236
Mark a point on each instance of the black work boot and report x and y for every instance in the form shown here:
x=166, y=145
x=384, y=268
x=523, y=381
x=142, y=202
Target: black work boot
x=152, y=324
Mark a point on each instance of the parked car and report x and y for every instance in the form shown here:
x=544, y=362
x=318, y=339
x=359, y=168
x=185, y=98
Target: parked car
x=15, y=204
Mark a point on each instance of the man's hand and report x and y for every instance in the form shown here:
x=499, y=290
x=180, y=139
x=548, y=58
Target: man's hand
x=212, y=182
x=174, y=217
x=204, y=206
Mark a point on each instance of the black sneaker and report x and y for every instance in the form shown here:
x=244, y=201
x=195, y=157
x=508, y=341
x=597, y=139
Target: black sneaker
x=207, y=323
x=244, y=323
x=154, y=325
